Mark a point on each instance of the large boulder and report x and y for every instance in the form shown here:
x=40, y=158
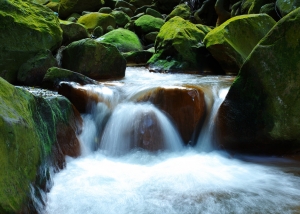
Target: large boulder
x=93, y=20
x=124, y=40
x=67, y=7
x=261, y=111
x=178, y=47
x=36, y=133
x=26, y=29
x=32, y=72
x=185, y=105
x=231, y=43
x=73, y=32
x=146, y=24
x=94, y=59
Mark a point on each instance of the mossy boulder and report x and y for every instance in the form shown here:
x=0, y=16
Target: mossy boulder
x=124, y=40
x=154, y=13
x=26, y=29
x=231, y=43
x=146, y=24
x=56, y=75
x=182, y=10
x=30, y=143
x=95, y=19
x=261, y=111
x=121, y=18
x=32, y=72
x=137, y=57
x=67, y=7
x=286, y=6
x=73, y=32
x=177, y=45
x=94, y=59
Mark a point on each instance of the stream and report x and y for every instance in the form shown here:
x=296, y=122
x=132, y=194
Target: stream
x=114, y=176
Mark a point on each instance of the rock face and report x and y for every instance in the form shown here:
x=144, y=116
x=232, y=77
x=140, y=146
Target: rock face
x=67, y=7
x=261, y=111
x=35, y=28
x=94, y=59
x=124, y=40
x=185, y=106
x=93, y=20
x=178, y=46
x=33, y=131
x=32, y=72
x=231, y=43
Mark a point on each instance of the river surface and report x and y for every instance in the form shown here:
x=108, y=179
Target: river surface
x=113, y=177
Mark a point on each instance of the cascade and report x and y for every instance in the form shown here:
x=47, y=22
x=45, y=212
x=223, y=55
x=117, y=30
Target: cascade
x=134, y=161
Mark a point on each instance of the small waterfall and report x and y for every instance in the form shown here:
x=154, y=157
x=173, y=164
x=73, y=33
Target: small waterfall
x=206, y=140
x=139, y=126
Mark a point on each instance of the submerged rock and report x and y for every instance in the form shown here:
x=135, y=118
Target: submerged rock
x=26, y=29
x=261, y=111
x=185, y=106
x=124, y=40
x=94, y=59
x=231, y=43
x=36, y=133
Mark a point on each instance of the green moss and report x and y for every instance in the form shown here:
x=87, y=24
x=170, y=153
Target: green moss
x=124, y=40
x=182, y=10
x=26, y=29
x=92, y=20
x=146, y=24
x=121, y=18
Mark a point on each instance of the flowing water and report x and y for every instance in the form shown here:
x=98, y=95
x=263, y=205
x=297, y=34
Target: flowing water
x=114, y=176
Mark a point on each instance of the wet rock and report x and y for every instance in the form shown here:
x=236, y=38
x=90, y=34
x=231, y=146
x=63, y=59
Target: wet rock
x=137, y=57
x=32, y=72
x=95, y=19
x=228, y=43
x=35, y=28
x=56, y=75
x=30, y=144
x=94, y=59
x=121, y=18
x=181, y=10
x=185, y=106
x=146, y=24
x=67, y=7
x=260, y=113
x=124, y=40
x=73, y=32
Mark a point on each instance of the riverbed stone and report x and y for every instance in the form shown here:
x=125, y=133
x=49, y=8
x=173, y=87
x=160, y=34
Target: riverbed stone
x=146, y=24
x=73, y=32
x=94, y=59
x=35, y=28
x=67, y=7
x=260, y=113
x=121, y=18
x=95, y=19
x=32, y=72
x=124, y=40
x=185, y=105
x=176, y=46
x=231, y=43
x=31, y=142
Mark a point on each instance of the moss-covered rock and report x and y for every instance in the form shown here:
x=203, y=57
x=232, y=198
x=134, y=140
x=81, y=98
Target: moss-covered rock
x=176, y=45
x=146, y=24
x=121, y=3
x=73, y=32
x=26, y=29
x=55, y=75
x=126, y=10
x=182, y=10
x=53, y=6
x=93, y=20
x=32, y=72
x=231, y=43
x=94, y=59
x=107, y=10
x=137, y=57
x=29, y=129
x=121, y=18
x=67, y=7
x=154, y=13
x=286, y=6
x=261, y=111
x=124, y=40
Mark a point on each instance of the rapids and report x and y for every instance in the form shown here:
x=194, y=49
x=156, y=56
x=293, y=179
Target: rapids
x=113, y=176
